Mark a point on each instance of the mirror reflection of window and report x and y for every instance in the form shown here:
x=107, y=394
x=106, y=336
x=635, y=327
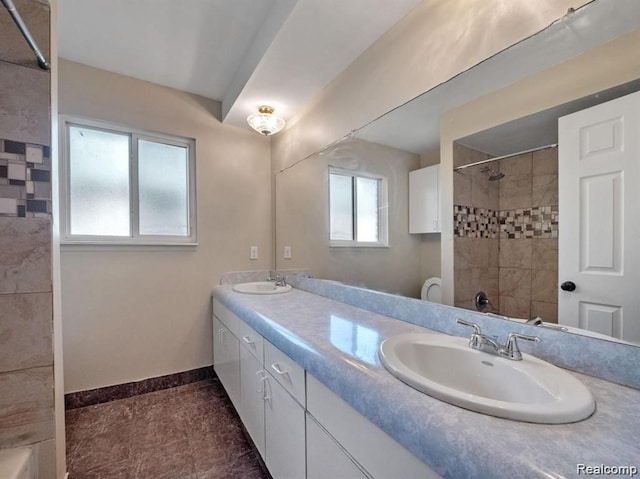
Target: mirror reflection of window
x=356, y=216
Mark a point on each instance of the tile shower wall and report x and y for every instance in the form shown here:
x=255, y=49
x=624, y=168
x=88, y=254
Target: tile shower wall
x=516, y=231
x=26, y=318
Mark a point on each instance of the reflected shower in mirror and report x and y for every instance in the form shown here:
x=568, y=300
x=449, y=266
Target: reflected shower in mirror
x=506, y=232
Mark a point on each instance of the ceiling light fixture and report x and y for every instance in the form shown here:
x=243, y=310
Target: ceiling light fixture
x=265, y=122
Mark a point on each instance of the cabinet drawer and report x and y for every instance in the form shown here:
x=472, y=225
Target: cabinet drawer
x=226, y=317
x=377, y=452
x=285, y=371
x=251, y=340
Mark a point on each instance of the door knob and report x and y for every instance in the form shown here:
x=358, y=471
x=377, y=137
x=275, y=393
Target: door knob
x=568, y=286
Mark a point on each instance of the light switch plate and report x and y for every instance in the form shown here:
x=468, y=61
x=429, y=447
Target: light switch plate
x=287, y=252
x=254, y=252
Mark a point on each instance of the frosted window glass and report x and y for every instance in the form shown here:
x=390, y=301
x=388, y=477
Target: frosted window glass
x=367, y=209
x=98, y=182
x=163, y=189
x=341, y=207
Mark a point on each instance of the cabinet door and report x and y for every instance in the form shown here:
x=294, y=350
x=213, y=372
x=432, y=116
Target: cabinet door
x=226, y=360
x=325, y=458
x=252, y=393
x=424, y=200
x=285, y=433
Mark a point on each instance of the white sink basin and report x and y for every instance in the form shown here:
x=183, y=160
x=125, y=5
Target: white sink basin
x=261, y=287
x=446, y=368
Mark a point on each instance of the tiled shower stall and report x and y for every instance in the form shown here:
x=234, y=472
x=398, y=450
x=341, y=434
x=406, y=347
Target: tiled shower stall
x=26, y=312
x=506, y=233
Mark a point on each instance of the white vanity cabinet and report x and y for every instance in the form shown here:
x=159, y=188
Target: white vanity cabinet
x=253, y=391
x=226, y=360
x=375, y=452
x=424, y=200
x=284, y=415
x=326, y=458
x=300, y=427
x=273, y=418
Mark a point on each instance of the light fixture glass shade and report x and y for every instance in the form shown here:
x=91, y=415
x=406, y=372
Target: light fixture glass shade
x=265, y=122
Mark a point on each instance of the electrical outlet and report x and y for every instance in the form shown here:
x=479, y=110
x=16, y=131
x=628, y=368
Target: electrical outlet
x=254, y=252
x=287, y=252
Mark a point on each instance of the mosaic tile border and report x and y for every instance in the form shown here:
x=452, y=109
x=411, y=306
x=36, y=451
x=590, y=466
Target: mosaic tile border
x=538, y=222
x=25, y=179
x=472, y=222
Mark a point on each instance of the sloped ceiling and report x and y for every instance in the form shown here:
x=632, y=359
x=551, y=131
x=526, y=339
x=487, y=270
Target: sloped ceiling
x=243, y=53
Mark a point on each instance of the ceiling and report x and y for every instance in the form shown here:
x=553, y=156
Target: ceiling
x=244, y=53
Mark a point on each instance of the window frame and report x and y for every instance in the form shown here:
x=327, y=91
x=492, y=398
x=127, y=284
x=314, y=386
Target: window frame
x=383, y=211
x=134, y=134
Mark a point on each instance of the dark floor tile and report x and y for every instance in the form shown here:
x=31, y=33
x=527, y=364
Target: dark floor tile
x=97, y=451
x=168, y=461
x=88, y=421
x=186, y=432
x=116, y=470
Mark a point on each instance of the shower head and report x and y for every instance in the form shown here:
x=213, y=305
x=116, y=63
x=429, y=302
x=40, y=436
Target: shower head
x=493, y=174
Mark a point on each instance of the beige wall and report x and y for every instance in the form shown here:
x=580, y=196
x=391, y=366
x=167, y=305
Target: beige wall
x=611, y=64
x=139, y=312
x=26, y=321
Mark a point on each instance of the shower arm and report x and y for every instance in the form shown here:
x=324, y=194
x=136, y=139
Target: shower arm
x=42, y=61
x=503, y=157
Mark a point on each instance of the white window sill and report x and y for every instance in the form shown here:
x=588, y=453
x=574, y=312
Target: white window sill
x=115, y=246
x=353, y=244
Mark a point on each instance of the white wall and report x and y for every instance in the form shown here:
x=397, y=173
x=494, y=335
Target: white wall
x=131, y=313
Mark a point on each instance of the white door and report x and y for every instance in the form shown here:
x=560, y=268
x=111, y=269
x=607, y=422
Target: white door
x=599, y=209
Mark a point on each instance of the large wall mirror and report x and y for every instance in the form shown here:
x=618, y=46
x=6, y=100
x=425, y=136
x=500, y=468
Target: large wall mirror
x=588, y=58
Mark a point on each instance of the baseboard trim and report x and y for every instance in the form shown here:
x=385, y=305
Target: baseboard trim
x=122, y=391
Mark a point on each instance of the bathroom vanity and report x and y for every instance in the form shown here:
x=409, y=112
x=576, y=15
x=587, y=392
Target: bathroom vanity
x=304, y=374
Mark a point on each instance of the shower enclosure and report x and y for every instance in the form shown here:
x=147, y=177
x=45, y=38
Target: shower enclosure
x=506, y=232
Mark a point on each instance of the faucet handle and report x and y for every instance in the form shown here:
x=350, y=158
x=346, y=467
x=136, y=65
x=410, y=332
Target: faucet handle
x=476, y=328
x=512, y=350
x=475, y=339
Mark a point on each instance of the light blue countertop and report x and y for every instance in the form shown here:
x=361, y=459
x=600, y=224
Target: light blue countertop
x=338, y=344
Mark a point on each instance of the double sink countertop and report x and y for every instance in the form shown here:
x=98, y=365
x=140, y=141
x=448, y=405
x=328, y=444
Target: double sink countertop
x=338, y=345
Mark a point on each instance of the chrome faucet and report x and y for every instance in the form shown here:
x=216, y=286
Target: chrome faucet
x=484, y=343
x=277, y=279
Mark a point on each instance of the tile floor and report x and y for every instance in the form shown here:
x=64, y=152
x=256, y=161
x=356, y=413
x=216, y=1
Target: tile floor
x=186, y=432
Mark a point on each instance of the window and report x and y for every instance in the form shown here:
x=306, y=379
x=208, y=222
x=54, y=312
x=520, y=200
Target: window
x=357, y=209
x=126, y=187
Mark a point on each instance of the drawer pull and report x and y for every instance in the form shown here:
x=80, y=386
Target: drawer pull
x=278, y=370
x=248, y=340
